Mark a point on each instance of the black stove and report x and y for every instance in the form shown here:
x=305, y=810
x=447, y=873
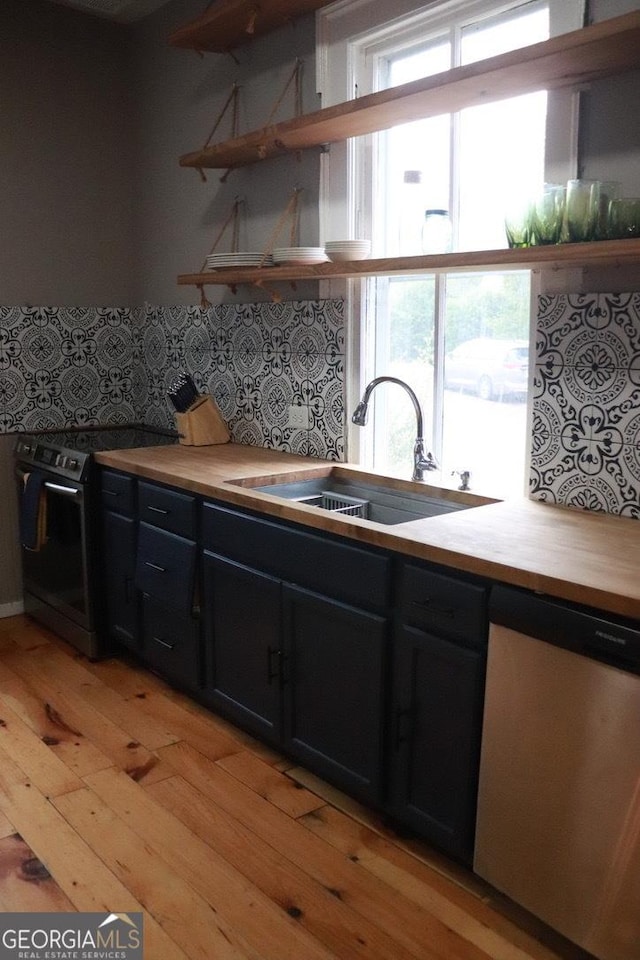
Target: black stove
x=67, y=453
x=59, y=497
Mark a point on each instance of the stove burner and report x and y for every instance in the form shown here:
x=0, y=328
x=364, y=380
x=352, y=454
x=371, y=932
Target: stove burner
x=105, y=438
x=68, y=452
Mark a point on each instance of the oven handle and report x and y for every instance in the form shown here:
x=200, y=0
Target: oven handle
x=71, y=492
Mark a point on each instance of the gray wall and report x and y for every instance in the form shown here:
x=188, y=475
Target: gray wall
x=66, y=157
x=179, y=97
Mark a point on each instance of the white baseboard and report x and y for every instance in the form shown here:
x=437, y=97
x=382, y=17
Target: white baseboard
x=11, y=609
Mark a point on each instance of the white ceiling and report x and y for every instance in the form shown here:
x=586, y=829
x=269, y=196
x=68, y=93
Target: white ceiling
x=123, y=11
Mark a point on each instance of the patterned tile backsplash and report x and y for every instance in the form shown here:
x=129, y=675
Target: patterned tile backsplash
x=585, y=445
x=87, y=366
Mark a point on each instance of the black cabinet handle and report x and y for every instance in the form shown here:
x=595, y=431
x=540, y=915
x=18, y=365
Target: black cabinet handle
x=155, y=566
x=401, y=736
x=159, y=510
x=273, y=672
x=429, y=604
x=164, y=643
x=111, y=493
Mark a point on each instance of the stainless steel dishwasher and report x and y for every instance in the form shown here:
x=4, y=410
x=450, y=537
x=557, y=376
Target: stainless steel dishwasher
x=558, y=826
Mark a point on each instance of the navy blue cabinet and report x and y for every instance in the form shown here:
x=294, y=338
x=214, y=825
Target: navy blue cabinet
x=150, y=575
x=334, y=689
x=243, y=618
x=363, y=665
x=439, y=664
x=119, y=542
x=436, y=719
x=167, y=578
x=304, y=668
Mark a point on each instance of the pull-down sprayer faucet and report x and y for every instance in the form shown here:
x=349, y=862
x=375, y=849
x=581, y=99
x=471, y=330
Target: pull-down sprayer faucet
x=421, y=461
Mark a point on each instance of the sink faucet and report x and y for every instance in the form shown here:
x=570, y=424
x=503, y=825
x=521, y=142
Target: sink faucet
x=421, y=461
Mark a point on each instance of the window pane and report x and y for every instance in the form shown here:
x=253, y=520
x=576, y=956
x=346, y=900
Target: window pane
x=413, y=160
x=417, y=165
x=422, y=62
x=501, y=155
x=485, y=379
x=469, y=163
x=404, y=349
x=488, y=38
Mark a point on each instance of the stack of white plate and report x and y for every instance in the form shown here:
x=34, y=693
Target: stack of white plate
x=347, y=249
x=220, y=261
x=299, y=255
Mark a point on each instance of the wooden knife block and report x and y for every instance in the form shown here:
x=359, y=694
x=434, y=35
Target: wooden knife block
x=202, y=424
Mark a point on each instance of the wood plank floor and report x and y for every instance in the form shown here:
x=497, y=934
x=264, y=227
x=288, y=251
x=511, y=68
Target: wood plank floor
x=119, y=794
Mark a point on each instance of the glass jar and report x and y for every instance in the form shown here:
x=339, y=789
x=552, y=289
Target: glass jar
x=436, y=232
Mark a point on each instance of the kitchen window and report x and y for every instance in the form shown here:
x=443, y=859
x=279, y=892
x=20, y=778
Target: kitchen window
x=460, y=340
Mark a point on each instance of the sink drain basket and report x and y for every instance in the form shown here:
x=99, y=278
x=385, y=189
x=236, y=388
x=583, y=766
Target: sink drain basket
x=338, y=503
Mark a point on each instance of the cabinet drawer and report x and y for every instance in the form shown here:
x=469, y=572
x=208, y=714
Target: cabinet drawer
x=165, y=568
x=167, y=509
x=172, y=644
x=444, y=605
x=117, y=492
x=347, y=573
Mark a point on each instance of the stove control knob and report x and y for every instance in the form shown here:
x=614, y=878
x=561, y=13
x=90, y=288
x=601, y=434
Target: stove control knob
x=60, y=460
x=71, y=464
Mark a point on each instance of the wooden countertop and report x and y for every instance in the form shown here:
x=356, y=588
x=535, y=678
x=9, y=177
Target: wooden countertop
x=589, y=558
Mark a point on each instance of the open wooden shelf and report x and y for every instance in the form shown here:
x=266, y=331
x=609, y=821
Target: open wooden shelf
x=230, y=23
x=571, y=60
x=556, y=257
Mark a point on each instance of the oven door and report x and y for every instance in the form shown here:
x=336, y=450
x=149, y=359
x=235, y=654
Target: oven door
x=57, y=574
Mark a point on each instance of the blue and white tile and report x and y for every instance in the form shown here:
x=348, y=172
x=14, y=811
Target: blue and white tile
x=563, y=317
x=622, y=411
x=277, y=352
x=197, y=347
x=222, y=386
x=554, y=408
x=623, y=320
x=562, y=483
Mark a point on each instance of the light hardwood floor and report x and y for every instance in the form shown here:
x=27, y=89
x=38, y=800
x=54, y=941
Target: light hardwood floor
x=119, y=794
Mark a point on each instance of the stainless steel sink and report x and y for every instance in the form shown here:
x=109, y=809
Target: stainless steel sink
x=369, y=501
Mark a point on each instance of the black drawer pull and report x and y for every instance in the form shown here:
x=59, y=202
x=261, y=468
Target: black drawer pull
x=165, y=513
x=164, y=643
x=155, y=566
x=111, y=493
x=428, y=604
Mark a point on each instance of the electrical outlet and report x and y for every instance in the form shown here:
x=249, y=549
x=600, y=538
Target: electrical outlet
x=299, y=417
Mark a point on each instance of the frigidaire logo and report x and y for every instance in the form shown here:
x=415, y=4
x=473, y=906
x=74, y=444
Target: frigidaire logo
x=71, y=936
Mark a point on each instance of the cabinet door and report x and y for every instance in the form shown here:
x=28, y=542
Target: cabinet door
x=166, y=568
x=334, y=689
x=435, y=738
x=172, y=644
x=118, y=566
x=243, y=613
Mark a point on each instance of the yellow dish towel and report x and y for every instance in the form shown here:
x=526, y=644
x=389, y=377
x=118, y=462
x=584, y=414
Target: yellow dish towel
x=33, y=511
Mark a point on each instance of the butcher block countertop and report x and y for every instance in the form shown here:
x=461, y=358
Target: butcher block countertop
x=588, y=558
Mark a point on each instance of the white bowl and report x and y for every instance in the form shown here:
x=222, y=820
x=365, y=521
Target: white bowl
x=348, y=243
x=338, y=250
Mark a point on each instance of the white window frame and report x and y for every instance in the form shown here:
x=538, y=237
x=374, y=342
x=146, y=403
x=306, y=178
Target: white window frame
x=347, y=32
